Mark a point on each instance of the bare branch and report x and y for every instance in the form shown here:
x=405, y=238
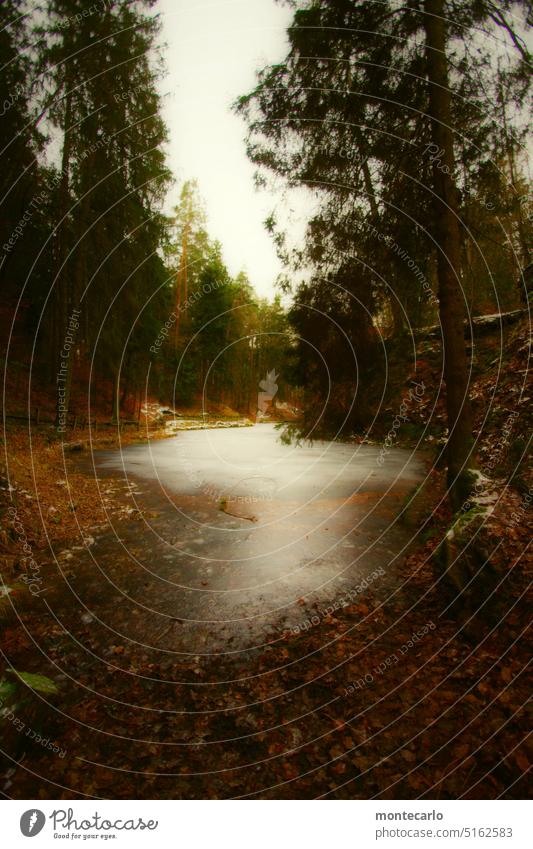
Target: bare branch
x=498, y=17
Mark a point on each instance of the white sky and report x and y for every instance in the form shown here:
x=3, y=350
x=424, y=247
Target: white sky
x=213, y=48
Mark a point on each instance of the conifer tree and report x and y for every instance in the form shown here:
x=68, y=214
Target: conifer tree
x=370, y=110
x=102, y=69
x=20, y=144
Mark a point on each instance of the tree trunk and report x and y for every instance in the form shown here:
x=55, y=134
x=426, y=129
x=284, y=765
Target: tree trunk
x=115, y=411
x=447, y=233
x=63, y=301
x=125, y=393
x=521, y=225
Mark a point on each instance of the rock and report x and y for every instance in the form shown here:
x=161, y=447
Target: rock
x=466, y=571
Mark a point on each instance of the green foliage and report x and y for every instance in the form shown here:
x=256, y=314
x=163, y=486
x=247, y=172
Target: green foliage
x=222, y=339
x=39, y=683
x=97, y=240
x=347, y=115
x=7, y=690
x=100, y=82
x=20, y=179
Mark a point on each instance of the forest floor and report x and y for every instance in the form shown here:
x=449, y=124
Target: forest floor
x=395, y=699
x=390, y=700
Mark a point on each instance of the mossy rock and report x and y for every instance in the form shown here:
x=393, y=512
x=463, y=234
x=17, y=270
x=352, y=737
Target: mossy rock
x=464, y=567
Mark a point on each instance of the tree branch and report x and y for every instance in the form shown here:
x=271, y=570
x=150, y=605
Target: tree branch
x=499, y=19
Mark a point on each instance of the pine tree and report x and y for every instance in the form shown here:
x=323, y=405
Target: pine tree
x=370, y=110
x=20, y=145
x=188, y=250
x=102, y=70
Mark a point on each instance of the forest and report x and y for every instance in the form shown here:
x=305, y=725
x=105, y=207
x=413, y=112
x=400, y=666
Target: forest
x=397, y=334
x=85, y=237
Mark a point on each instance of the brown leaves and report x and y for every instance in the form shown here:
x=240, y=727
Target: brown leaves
x=521, y=759
x=285, y=716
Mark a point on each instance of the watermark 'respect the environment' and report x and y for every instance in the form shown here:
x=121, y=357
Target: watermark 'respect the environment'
x=164, y=333
x=339, y=603
x=414, y=395
x=62, y=376
x=391, y=660
x=8, y=715
x=31, y=574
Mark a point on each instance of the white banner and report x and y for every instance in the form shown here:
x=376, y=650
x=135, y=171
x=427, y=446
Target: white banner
x=267, y=825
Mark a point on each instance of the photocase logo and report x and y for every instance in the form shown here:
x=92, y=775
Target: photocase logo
x=32, y=822
x=269, y=384
x=269, y=389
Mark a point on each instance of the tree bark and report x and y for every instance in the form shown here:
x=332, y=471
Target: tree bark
x=521, y=226
x=115, y=408
x=447, y=233
x=63, y=302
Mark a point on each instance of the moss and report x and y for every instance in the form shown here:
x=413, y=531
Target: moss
x=455, y=534
x=465, y=519
x=429, y=534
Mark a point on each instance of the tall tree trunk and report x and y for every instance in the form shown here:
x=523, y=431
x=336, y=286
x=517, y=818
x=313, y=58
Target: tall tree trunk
x=510, y=149
x=125, y=393
x=447, y=233
x=115, y=410
x=182, y=286
x=63, y=302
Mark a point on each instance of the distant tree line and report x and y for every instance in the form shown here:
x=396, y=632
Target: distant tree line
x=89, y=263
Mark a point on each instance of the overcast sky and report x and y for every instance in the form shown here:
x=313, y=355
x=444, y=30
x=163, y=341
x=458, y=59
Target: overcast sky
x=213, y=50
